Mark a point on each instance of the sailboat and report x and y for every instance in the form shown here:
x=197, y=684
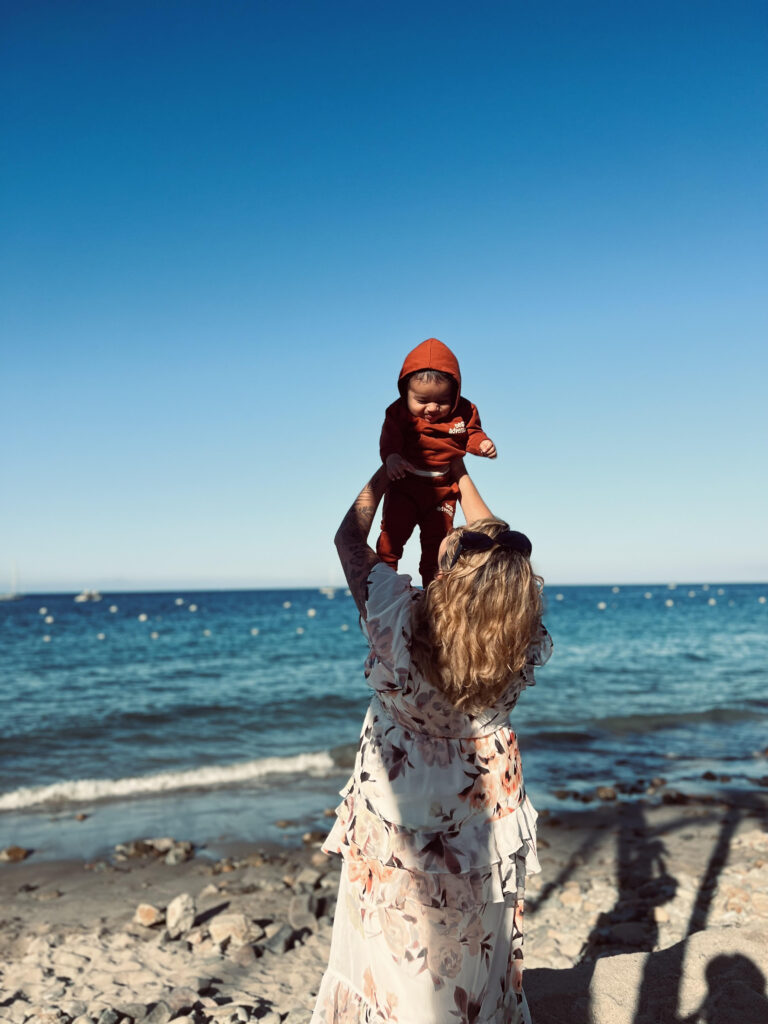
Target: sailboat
x=13, y=594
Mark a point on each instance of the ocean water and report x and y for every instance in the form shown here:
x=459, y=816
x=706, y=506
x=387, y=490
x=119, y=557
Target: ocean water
x=212, y=715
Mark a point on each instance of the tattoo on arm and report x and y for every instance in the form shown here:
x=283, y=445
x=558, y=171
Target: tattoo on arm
x=357, y=558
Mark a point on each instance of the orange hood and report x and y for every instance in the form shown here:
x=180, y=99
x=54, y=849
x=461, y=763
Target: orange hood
x=431, y=355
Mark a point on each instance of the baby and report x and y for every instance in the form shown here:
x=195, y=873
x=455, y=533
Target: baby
x=430, y=424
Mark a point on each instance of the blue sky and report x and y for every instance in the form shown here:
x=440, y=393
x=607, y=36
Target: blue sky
x=224, y=225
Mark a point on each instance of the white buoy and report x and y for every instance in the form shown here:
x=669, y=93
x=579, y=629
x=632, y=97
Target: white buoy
x=761, y=599
x=113, y=608
x=712, y=600
x=344, y=627
x=193, y=607
x=42, y=611
x=286, y=604
x=602, y=605
x=46, y=639
x=143, y=617
x=48, y=619
x=671, y=586
x=647, y=595
x=558, y=597
x=153, y=635
x=311, y=613
x=705, y=586
x=615, y=590
x=348, y=592
x=179, y=601
x=299, y=630
x=669, y=602
x=206, y=632
x=691, y=593
x=720, y=591
x=100, y=636
x=254, y=631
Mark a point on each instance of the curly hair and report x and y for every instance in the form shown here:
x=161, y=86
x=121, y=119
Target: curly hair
x=476, y=621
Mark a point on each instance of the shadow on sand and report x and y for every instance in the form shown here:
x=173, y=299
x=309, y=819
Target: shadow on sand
x=620, y=979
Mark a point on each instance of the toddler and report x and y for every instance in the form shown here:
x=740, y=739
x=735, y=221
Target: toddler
x=430, y=424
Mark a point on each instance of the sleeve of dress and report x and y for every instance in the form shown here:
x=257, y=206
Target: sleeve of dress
x=388, y=622
x=538, y=654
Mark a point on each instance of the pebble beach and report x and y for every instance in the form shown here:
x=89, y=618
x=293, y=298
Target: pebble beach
x=635, y=903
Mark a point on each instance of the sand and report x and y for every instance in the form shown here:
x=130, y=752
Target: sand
x=641, y=914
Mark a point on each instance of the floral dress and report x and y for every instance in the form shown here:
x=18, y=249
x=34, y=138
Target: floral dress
x=436, y=835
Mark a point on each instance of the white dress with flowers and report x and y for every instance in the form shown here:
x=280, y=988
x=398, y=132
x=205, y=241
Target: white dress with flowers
x=436, y=835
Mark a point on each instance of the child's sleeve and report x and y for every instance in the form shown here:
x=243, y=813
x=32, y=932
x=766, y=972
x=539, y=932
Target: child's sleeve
x=392, y=439
x=475, y=432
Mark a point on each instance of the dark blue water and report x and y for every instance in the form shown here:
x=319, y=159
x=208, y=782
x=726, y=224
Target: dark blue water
x=246, y=695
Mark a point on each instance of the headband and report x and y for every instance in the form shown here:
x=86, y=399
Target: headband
x=512, y=540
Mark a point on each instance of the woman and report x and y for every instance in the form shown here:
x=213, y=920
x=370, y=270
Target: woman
x=435, y=830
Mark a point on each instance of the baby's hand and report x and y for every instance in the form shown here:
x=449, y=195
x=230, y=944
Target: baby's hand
x=488, y=448
x=397, y=467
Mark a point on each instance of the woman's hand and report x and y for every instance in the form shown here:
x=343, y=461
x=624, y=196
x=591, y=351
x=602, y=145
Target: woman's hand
x=397, y=467
x=357, y=557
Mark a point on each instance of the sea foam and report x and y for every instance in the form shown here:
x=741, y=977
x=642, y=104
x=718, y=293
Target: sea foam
x=211, y=776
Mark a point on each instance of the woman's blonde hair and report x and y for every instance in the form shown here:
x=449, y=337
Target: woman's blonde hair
x=473, y=628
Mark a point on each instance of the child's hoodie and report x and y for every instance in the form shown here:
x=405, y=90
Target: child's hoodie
x=431, y=446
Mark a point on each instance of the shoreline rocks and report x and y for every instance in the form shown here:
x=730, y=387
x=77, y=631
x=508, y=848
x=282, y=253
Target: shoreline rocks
x=247, y=937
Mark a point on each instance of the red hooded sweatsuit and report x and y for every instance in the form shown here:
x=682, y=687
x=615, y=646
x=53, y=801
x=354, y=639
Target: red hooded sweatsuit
x=427, y=501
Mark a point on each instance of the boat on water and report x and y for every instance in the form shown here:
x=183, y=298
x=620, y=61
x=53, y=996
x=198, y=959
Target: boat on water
x=13, y=594
x=87, y=595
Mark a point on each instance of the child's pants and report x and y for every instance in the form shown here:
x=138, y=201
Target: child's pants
x=420, y=501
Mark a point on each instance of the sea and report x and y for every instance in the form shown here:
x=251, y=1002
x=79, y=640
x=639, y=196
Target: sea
x=233, y=715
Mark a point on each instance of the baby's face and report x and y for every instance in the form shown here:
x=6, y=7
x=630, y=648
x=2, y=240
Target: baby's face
x=430, y=400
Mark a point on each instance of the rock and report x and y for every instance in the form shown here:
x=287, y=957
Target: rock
x=300, y=913
x=233, y=928
x=148, y=915
x=109, y=1017
x=180, y=915
x=660, y=914
x=309, y=877
x=605, y=793
x=242, y=955
x=14, y=854
x=570, y=897
x=180, y=852
x=279, y=938
x=160, y=1013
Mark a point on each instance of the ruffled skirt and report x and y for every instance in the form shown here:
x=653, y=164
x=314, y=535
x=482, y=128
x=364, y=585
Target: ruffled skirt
x=429, y=923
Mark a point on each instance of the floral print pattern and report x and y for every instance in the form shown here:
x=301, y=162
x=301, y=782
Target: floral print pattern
x=436, y=835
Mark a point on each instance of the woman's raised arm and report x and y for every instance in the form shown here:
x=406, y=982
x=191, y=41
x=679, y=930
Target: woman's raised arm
x=472, y=505
x=357, y=557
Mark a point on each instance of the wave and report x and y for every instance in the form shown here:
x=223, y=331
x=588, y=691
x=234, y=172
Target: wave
x=318, y=763
x=675, y=719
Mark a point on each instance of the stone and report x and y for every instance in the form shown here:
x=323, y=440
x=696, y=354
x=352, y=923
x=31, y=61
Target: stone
x=300, y=913
x=109, y=1017
x=309, y=877
x=181, y=1000
x=14, y=854
x=605, y=793
x=279, y=938
x=180, y=852
x=160, y=1013
x=233, y=928
x=242, y=955
x=180, y=915
x=148, y=915
x=570, y=897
